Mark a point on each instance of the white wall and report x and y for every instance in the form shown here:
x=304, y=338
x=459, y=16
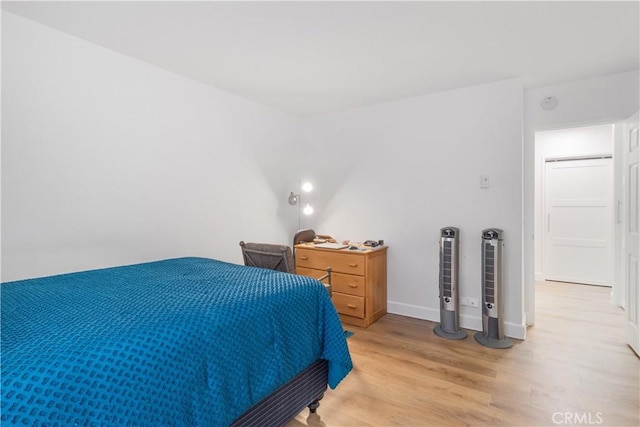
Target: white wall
x=606, y=99
x=107, y=160
x=400, y=171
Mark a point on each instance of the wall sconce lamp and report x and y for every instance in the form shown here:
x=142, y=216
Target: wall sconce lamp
x=294, y=199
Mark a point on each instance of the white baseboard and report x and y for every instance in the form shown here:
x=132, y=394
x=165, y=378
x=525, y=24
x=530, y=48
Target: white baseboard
x=515, y=330
x=473, y=323
x=415, y=311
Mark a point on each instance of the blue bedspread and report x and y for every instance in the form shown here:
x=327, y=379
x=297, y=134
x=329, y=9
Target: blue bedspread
x=187, y=341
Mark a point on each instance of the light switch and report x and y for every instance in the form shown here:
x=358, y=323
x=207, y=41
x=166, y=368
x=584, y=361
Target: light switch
x=484, y=181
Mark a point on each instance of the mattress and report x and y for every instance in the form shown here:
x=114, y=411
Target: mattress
x=188, y=341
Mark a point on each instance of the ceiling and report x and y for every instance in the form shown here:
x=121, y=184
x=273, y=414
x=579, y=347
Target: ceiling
x=306, y=58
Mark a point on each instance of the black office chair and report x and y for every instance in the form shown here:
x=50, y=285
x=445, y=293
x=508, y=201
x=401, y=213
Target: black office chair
x=275, y=257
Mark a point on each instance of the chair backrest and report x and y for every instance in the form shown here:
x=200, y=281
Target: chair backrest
x=270, y=256
x=304, y=235
x=275, y=257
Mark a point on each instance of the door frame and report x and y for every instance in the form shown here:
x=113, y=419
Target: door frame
x=631, y=325
x=529, y=202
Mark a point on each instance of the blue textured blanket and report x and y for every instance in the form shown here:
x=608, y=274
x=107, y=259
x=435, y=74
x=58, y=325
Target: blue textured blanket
x=187, y=341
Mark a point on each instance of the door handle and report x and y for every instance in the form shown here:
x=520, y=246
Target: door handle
x=619, y=212
x=548, y=222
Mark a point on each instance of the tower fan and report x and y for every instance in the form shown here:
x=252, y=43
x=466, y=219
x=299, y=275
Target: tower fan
x=449, y=326
x=492, y=334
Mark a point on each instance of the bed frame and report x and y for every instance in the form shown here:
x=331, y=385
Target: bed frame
x=305, y=389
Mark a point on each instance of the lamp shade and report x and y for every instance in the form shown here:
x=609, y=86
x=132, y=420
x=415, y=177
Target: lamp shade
x=307, y=187
x=308, y=209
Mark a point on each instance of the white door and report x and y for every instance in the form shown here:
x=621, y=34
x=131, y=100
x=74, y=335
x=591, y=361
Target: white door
x=578, y=221
x=631, y=241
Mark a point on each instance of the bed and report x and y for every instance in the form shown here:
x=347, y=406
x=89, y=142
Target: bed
x=188, y=341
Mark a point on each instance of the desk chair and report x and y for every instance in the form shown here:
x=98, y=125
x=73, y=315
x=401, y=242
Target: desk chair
x=275, y=257
x=304, y=235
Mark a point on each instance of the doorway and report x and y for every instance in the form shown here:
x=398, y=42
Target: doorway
x=571, y=199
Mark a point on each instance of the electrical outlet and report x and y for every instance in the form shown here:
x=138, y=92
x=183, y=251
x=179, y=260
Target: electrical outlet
x=469, y=302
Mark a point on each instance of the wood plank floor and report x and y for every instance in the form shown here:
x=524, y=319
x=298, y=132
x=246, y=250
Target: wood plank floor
x=574, y=368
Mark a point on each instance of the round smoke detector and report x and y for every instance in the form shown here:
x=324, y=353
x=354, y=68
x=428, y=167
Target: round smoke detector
x=549, y=103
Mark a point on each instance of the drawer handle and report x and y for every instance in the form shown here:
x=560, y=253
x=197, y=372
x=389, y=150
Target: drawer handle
x=353, y=265
x=351, y=306
x=351, y=285
x=304, y=257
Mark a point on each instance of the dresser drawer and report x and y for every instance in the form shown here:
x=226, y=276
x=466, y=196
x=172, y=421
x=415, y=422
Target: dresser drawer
x=340, y=282
x=359, y=280
x=339, y=261
x=310, y=272
x=348, y=304
x=347, y=284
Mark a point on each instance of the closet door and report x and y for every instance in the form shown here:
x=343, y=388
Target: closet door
x=578, y=221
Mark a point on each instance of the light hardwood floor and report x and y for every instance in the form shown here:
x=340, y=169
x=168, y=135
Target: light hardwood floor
x=573, y=369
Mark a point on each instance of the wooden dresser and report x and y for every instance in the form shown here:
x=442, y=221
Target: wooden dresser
x=359, y=280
